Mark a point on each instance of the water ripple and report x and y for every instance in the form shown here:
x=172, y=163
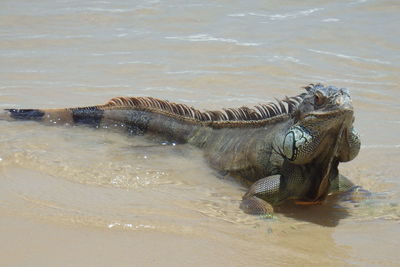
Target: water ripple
x=200, y=72
x=355, y=58
x=209, y=38
x=45, y=36
x=380, y=146
x=290, y=15
x=331, y=20
x=294, y=14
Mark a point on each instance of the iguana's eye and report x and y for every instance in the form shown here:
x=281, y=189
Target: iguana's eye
x=319, y=98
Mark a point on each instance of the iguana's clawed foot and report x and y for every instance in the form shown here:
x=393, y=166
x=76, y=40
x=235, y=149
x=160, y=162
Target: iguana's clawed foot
x=355, y=194
x=256, y=206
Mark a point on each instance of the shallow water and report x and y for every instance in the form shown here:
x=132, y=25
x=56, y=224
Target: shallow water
x=71, y=195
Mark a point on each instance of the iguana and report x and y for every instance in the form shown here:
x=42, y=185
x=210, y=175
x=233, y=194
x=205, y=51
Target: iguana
x=288, y=149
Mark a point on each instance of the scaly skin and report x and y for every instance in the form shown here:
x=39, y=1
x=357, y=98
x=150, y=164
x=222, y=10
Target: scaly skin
x=285, y=150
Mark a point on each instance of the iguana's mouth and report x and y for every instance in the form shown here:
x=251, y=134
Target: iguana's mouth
x=318, y=118
x=321, y=113
x=340, y=104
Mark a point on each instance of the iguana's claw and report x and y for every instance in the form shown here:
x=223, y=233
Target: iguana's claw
x=356, y=194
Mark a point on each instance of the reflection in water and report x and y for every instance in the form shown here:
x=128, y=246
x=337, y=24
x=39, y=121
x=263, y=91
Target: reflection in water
x=88, y=187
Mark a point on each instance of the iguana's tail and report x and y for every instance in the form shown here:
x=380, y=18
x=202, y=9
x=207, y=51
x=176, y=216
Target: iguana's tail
x=136, y=115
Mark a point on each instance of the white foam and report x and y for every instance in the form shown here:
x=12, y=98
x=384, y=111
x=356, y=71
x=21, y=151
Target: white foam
x=33, y=71
x=331, y=20
x=285, y=58
x=258, y=14
x=290, y=15
x=269, y=58
x=205, y=72
x=325, y=79
x=237, y=15
x=99, y=9
x=209, y=38
x=358, y=2
x=129, y=225
x=355, y=58
x=112, y=53
x=101, y=2
x=135, y=62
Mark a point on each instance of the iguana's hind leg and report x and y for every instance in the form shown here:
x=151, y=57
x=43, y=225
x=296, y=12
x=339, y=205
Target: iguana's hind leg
x=259, y=196
x=348, y=190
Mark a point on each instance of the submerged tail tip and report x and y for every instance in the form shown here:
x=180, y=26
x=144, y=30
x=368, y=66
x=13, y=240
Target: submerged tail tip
x=21, y=114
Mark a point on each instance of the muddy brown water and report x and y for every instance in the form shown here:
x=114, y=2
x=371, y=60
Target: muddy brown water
x=78, y=196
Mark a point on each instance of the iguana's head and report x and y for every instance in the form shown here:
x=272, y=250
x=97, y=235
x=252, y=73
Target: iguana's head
x=320, y=116
x=322, y=134
x=322, y=103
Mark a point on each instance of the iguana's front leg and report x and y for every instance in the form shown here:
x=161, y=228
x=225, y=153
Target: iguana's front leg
x=349, y=149
x=261, y=195
x=350, y=145
x=292, y=183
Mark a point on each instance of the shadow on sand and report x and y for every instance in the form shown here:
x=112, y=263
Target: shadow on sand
x=327, y=214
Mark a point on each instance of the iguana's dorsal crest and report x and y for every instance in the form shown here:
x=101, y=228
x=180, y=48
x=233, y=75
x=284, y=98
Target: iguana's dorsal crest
x=242, y=114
